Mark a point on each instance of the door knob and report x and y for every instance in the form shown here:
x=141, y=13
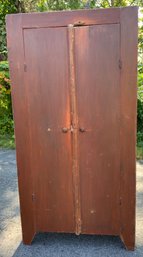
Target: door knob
x=82, y=129
x=65, y=130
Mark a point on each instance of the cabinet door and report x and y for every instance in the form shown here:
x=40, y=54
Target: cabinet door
x=97, y=54
x=47, y=86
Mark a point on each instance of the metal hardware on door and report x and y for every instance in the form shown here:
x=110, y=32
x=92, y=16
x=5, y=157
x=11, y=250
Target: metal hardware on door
x=71, y=129
x=82, y=129
x=65, y=130
x=79, y=23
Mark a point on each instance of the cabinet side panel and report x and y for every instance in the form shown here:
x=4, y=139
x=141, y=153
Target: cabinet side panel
x=19, y=102
x=128, y=123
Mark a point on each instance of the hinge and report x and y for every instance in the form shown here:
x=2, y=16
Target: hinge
x=25, y=67
x=120, y=201
x=122, y=228
x=120, y=64
x=33, y=197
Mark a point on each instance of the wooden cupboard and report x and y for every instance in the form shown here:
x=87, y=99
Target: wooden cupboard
x=73, y=76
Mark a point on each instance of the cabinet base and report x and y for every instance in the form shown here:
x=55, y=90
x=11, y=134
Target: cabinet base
x=128, y=243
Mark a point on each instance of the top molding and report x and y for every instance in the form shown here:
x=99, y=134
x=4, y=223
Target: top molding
x=64, y=18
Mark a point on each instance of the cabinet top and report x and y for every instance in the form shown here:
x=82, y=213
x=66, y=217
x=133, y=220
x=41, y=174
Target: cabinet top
x=76, y=17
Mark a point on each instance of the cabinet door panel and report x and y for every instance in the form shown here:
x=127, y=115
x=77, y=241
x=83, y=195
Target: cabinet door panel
x=47, y=85
x=97, y=54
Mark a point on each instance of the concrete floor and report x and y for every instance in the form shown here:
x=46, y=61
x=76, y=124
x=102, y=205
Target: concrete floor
x=52, y=244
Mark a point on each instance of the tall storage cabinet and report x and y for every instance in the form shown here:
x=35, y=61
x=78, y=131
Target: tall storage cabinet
x=73, y=76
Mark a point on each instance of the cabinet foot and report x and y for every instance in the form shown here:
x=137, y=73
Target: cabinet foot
x=28, y=238
x=128, y=241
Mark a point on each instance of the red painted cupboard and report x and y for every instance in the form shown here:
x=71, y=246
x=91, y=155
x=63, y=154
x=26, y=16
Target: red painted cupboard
x=73, y=76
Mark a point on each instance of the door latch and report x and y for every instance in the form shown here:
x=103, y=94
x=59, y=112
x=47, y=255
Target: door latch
x=71, y=129
x=65, y=130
